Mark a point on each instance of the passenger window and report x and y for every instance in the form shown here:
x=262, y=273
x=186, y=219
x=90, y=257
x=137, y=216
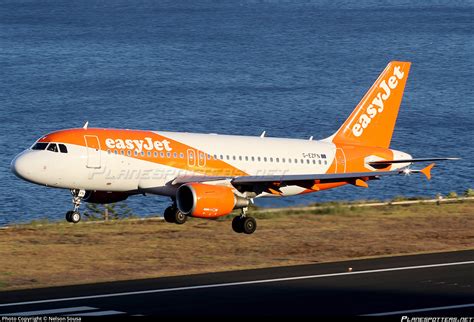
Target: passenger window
x=122, y=152
x=277, y=160
x=258, y=159
x=155, y=154
x=253, y=158
x=162, y=154
x=62, y=148
x=149, y=154
x=265, y=159
x=181, y=155
x=240, y=158
x=52, y=147
x=39, y=146
x=129, y=152
x=246, y=158
x=271, y=159
x=319, y=161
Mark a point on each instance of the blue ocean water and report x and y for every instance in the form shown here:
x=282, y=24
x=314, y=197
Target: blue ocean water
x=293, y=68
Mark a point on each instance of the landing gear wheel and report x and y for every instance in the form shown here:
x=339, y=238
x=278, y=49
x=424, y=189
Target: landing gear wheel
x=249, y=225
x=69, y=215
x=179, y=217
x=169, y=214
x=237, y=224
x=75, y=217
x=173, y=215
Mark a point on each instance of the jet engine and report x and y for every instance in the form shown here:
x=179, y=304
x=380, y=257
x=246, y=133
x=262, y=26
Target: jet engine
x=207, y=201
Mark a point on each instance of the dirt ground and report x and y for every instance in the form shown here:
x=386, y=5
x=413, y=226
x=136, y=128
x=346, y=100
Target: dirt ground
x=52, y=254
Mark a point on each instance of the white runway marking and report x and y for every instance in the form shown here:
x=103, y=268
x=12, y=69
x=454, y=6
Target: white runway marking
x=439, y=308
x=207, y=286
x=48, y=312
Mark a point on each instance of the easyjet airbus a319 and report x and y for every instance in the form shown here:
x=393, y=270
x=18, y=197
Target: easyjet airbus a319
x=209, y=175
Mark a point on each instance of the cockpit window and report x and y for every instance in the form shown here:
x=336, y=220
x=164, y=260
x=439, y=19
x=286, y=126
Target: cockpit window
x=39, y=146
x=62, y=148
x=52, y=147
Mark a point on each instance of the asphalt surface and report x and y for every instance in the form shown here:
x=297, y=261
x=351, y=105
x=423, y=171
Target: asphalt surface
x=440, y=284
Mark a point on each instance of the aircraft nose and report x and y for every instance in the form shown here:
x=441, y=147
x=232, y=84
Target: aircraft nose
x=21, y=166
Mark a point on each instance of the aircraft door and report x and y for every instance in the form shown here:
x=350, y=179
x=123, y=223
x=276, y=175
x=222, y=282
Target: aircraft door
x=202, y=159
x=93, y=151
x=191, y=157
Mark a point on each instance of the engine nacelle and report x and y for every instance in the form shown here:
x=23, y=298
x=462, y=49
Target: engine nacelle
x=207, y=201
x=104, y=197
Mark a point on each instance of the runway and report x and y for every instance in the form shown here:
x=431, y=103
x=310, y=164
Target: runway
x=417, y=285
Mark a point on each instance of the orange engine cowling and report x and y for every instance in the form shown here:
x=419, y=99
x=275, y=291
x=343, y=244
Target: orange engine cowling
x=205, y=201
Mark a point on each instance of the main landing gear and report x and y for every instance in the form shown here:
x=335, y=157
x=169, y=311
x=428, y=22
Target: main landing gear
x=74, y=215
x=173, y=215
x=244, y=224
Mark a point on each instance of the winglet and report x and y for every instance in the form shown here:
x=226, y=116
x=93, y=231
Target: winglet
x=427, y=171
x=86, y=125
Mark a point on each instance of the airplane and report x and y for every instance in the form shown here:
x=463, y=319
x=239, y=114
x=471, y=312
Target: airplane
x=210, y=175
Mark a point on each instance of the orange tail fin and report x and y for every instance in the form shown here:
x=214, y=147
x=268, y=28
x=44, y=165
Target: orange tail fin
x=373, y=120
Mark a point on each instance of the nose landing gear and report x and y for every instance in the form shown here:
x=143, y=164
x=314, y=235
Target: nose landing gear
x=74, y=215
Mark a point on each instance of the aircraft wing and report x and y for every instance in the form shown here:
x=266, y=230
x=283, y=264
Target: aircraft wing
x=350, y=177
x=334, y=177
x=245, y=180
x=273, y=182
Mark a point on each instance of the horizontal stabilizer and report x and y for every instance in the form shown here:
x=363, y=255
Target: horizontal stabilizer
x=426, y=171
x=409, y=160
